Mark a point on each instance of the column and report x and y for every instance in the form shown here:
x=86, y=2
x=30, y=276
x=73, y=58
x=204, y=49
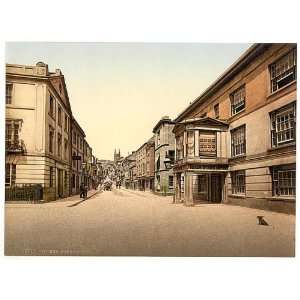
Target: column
x=188, y=189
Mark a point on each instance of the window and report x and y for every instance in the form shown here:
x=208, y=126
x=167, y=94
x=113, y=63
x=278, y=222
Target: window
x=66, y=149
x=202, y=183
x=73, y=160
x=284, y=180
x=59, y=144
x=51, y=137
x=283, y=125
x=60, y=88
x=238, y=182
x=74, y=138
x=238, y=98
x=66, y=180
x=66, y=123
x=10, y=174
x=12, y=129
x=283, y=71
x=51, y=177
x=190, y=146
x=179, y=147
x=73, y=181
x=207, y=144
x=51, y=106
x=171, y=156
x=9, y=88
x=216, y=110
x=171, y=182
x=59, y=116
x=158, y=137
x=158, y=163
x=238, y=141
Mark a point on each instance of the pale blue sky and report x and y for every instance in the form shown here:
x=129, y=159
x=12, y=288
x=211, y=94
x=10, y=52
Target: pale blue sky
x=119, y=91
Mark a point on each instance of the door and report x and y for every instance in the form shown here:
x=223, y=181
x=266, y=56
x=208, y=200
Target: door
x=60, y=183
x=216, y=188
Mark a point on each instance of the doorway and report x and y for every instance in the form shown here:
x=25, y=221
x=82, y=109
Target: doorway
x=216, y=188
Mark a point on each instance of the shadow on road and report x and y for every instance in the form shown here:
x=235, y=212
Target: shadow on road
x=77, y=203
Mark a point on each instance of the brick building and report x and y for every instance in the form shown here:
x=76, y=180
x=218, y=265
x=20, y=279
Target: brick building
x=236, y=143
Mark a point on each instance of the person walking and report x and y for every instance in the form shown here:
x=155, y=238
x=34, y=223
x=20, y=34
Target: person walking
x=82, y=192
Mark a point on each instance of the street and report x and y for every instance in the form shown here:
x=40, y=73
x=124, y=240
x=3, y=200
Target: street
x=134, y=223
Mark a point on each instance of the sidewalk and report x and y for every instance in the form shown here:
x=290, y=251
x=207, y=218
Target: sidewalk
x=74, y=198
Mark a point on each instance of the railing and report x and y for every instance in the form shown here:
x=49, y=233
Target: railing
x=24, y=192
x=14, y=146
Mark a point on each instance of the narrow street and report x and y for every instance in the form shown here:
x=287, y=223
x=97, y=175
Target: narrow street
x=127, y=222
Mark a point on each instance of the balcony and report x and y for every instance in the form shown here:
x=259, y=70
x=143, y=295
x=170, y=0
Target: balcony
x=16, y=146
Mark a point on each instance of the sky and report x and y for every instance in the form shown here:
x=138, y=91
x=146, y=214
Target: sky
x=119, y=91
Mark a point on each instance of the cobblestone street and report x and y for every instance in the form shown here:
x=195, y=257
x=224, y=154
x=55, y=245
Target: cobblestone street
x=127, y=222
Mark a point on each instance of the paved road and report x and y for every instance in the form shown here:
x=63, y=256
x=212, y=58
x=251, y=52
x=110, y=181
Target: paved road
x=125, y=222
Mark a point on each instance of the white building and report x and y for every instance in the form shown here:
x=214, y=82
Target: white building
x=38, y=116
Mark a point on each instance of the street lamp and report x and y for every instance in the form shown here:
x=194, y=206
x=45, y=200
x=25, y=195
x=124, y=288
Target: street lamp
x=167, y=163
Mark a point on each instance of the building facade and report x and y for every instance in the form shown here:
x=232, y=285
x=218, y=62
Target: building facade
x=164, y=156
x=236, y=143
x=150, y=164
x=38, y=114
x=78, y=149
x=141, y=167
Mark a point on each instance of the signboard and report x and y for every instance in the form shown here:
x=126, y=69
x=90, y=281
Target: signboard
x=76, y=157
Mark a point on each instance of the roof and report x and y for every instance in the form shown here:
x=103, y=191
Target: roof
x=163, y=120
x=248, y=56
x=205, y=121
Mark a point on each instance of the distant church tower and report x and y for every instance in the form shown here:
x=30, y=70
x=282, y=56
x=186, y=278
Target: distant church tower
x=117, y=155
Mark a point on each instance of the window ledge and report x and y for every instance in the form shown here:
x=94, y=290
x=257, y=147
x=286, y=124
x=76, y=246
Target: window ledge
x=282, y=146
x=240, y=196
x=282, y=198
x=271, y=94
x=237, y=157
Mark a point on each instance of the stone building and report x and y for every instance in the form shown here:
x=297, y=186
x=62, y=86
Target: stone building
x=236, y=143
x=150, y=164
x=38, y=114
x=129, y=170
x=164, y=156
x=78, y=149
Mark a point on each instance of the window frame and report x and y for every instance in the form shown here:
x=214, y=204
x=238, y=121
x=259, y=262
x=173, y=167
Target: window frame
x=233, y=106
x=274, y=125
x=208, y=144
x=276, y=171
x=234, y=146
x=8, y=95
x=10, y=174
x=238, y=182
x=292, y=69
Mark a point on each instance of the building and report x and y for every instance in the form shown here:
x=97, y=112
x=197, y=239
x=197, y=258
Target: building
x=78, y=142
x=117, y=155
x=150, y=164
x=38, y=114
x=129, y=170
x=236, y=142
x=164, y=156
x=141, y=167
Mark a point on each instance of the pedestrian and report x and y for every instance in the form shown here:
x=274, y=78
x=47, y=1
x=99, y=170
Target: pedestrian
x=85, y=191
x=82, y=190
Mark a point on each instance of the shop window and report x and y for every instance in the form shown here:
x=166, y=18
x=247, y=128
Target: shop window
x=207, y=144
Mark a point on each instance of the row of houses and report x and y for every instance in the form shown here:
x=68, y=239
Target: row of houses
x=47, y=154
x=235, y=143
